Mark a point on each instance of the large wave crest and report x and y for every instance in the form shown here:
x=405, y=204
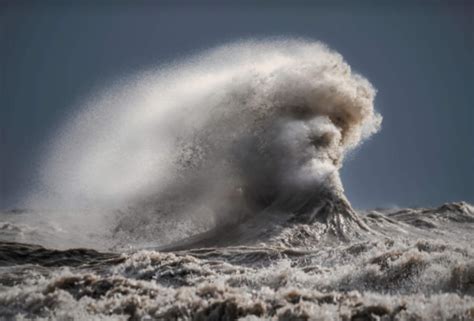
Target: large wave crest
x=212, y=139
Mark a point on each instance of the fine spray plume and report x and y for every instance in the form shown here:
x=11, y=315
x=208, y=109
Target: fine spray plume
x=246, y=130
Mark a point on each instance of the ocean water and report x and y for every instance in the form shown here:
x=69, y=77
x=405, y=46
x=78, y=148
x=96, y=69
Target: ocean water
x=406, y=264
x=209, y=189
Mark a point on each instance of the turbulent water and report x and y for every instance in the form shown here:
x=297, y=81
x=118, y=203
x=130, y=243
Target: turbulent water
x=209, y=189
x=414, y=264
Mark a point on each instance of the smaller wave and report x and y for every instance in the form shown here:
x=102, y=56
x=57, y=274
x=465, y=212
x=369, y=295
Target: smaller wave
x=13, y=254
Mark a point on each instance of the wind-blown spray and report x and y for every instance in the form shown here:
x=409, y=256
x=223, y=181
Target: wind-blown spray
x=216, y=138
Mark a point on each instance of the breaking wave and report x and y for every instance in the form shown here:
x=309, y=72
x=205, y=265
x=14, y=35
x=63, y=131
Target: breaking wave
x=210, y=140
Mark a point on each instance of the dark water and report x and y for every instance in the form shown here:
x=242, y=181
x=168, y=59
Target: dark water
x=405, y=264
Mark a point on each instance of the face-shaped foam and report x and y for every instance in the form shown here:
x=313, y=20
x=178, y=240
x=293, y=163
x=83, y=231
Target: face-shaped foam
x=247, y=121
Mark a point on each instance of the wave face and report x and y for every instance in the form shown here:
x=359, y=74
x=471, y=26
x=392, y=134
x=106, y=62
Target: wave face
x=211, y=140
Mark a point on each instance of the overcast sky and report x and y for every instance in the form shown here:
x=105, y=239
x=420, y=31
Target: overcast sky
x=418, y=54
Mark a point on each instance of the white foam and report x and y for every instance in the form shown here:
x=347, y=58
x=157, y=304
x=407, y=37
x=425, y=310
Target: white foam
x=246, y=121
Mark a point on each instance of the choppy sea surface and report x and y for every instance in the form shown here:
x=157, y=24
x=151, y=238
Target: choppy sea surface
x=330, y=264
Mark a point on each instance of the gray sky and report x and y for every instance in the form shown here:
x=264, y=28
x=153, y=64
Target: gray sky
x=418, y=54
